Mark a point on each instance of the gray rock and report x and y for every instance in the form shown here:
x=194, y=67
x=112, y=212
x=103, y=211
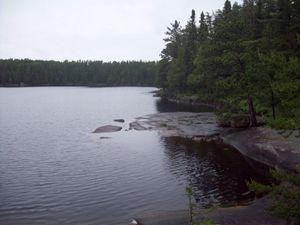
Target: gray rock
x=105, y=137
x=137, y=126
x=183, y=124
x=107, y=129
x=119, y=120
x=267, y=146
x=239, y=121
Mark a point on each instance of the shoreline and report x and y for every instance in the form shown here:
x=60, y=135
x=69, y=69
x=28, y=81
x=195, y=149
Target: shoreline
x=251, y=214
x=274, y=148
x=270, y=147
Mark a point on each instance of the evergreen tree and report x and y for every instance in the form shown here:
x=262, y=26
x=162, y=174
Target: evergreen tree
x=246, y=58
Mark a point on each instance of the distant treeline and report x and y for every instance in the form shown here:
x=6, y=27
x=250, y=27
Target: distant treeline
x=246, y=57
x=25, y=72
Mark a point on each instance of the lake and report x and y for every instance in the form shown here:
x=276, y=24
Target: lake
x=54, y=170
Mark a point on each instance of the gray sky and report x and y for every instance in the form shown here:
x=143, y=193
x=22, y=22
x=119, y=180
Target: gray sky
x=91, y=29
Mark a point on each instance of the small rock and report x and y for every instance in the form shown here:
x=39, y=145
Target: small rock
x=105, y=137
x=119, y=120
x=107, y=129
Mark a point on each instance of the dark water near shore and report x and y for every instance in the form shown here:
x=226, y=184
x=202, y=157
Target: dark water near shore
x=53, y=170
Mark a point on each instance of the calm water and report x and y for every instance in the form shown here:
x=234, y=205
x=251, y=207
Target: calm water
x=53, y=170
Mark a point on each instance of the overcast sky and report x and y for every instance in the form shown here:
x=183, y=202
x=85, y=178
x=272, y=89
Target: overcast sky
x=91, y=29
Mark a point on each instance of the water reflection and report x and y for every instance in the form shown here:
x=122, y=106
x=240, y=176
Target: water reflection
x=217, y=173
x=55, y=171
x=163, y=105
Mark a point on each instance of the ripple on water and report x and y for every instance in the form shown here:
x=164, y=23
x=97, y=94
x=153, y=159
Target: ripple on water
x=54, y=171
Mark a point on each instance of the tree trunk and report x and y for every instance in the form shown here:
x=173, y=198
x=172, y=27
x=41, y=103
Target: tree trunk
x=252, y=114
x=273, y=105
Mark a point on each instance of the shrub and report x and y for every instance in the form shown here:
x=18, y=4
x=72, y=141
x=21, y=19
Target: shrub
x=284, y=123
x=284, y=193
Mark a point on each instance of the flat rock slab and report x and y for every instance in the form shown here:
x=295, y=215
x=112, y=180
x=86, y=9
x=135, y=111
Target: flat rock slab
x=253, y=214
x=271, y=147
x=182, y=124
x=107, y=129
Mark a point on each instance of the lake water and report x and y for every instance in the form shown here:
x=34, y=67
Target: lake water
x=54, y=170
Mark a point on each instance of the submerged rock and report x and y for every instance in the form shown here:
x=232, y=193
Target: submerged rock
x=137, y=126
x=119, y=120
x=107, y=129
x=105, y=137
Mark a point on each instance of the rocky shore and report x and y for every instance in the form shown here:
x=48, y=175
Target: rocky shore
x=253, y=214
x=275, y=148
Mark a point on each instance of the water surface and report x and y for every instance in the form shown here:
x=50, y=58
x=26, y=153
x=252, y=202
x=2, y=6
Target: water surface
x=55, y=171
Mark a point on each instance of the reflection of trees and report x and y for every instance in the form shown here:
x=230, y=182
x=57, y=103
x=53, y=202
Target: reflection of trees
x=216, y=173
x=163, y=105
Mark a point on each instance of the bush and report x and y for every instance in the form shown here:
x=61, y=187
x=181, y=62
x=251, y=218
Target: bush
x=284, y=123
x=284, y=193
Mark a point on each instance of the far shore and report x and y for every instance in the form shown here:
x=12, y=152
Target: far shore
x=73, y=85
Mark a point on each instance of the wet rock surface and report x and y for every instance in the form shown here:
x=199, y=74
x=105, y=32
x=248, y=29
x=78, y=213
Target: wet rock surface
x=137, y=126
x=107, y=129
x=182, y=124
x=273, y=148
x=253, y=214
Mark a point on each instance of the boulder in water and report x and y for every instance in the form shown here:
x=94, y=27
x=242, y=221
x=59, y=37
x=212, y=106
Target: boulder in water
x=107, y=129
x=119, y=120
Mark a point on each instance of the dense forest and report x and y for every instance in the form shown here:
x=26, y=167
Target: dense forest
x=245, y=57
x=15, y=72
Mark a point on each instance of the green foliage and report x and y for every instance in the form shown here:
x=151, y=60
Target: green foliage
x=189, y=191
x=163, y=125
x=189, y=194
x=284, y=123
x=37, y=72
x=247, y=57
x=284, y=193
x=192, y=205
x=176, y=73
x=205, y=222
x=259, y=189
